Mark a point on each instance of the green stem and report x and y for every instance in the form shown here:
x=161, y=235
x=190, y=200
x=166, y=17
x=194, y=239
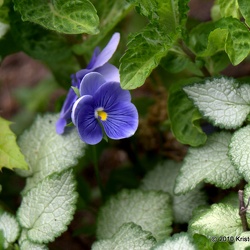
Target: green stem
x=192, y=56
x=97, y=173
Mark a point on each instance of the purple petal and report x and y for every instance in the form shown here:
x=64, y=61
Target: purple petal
x=93, y=58
x=109, y=72
x=90, y=83
x=84, y=100
x=122, y=121
x=81, y=73
x=87, y=125
x=60, y=125
x=109, y=94
x=107, y=52
x=65, y=114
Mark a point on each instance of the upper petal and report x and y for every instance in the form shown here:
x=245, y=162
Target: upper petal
x=109, y=72
x=93, y=58
x=109, y=94
x=122, y=121
x=81, y=73
x=108, y=51
x=90, y=83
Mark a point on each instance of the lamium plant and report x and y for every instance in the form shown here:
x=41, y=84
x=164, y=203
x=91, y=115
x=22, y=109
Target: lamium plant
x=78, y=169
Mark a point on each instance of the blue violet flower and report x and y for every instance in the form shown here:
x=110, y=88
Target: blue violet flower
x=98, y=63
x=104, y=108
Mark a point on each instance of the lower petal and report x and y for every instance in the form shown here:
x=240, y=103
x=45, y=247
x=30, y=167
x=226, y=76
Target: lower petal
x=122, y=121
x=84, y=102
x=87, y=125
x=60, y=126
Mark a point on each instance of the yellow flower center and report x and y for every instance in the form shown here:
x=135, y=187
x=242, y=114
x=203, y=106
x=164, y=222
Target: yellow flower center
x=102, y=114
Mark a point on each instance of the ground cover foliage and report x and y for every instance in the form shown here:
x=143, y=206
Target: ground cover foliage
x=142, y=143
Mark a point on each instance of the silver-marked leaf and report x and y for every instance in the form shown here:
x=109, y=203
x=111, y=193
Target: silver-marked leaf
x=66, y=16
x=47, y=152
x=222, y=101
x=242, y=241
x=247, y=195
x=9, y=227
x=209, y=163
x=219, y=220
x=239, y=151
x=163, y=178
x=129, y=236
x=179, y=241
x=149, y=209
x=25, y=243
x=47, y=209
x=34, y=246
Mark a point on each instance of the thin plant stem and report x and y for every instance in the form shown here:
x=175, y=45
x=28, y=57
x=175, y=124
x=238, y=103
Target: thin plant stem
x=242, y=210
x=97, y=172
x=192, y=56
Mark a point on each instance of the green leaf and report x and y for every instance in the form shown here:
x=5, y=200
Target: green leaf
x=145, y=50
x=184, y=116
x=175, y=61
x=229, y=8
x=239, y=151
x=38, y=42
x=209, y=163
x=235, y=33
x=201, y=242
x=1, y=240
x=177, y=241
x=10, y=155
x=47, y=152
x=219, y=220
x=70, y=17
x=162, y=178
x=245, y=10
x=4, y=12
x=57, y=195
x=25, y=243
x=147, y=8
x=128, y=236
x=222, y=101
x=216, y=42
x=151, y=210
x=238, y=43
x=9, y=227
x=111, y=13
x=242, y=241
x=162, y=13
x=213, y=243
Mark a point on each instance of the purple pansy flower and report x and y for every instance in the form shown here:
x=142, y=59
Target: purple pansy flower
x=98, y=63
x=103, y=107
